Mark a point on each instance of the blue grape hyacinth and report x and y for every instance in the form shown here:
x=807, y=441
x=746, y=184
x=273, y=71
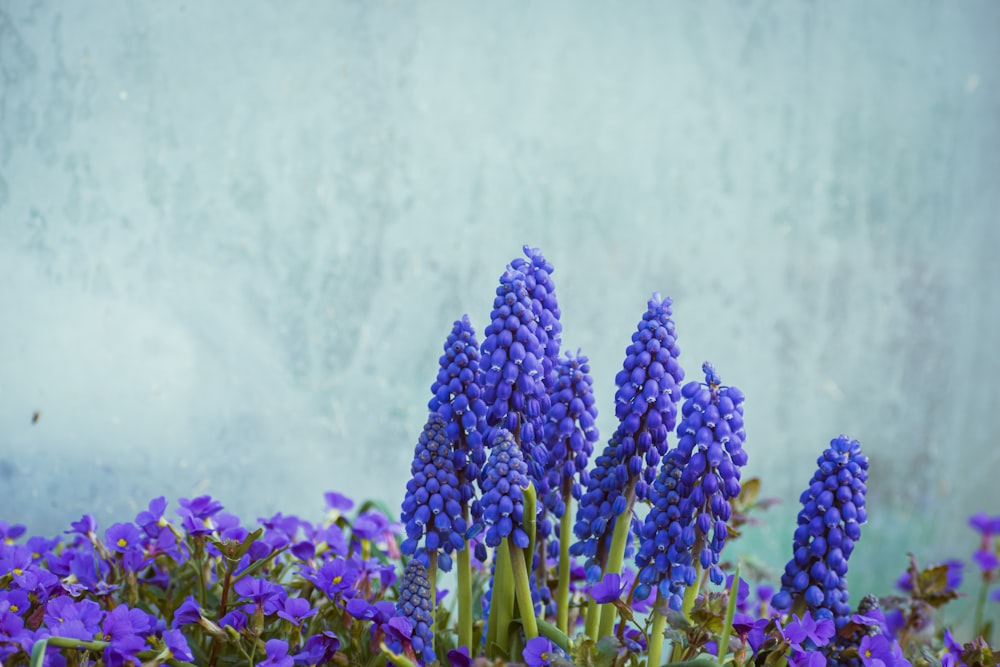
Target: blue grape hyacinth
x=504, y=480
x=457, y=398
x=415, y=604
x=829, y=525
x=432, y=509
x=664, y=556
x=538, y=274
x=570, y=430
x=646, y=405
x=648, y=393
x=710, y=452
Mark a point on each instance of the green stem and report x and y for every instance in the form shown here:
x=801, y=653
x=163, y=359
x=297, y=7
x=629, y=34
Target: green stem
x=592, y=619
x=977, y=624
x=553, y=634
x=465, y=597
x=562, y=592
x=616, y=555
x=502, y=602
x=530, y=524
x=522, y=589
x=432, y=571
x=727, y=626
x=655, y=639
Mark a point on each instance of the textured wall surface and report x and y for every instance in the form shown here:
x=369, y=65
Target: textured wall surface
x=233, y=237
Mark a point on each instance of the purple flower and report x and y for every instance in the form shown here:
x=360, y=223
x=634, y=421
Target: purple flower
x=504, y=480
x=77, y=620
x=333, y=577
x=189, y=612
x=9, y=533
x=988, y=526
x=277, y=654
x=609, y=589
x=459, y=657
x=337, y=502
x=829, y=524
x=151, y=520
x=807, y=659
x=875, y=651
x=126, y=630
x=807, y=629
x=319, y=649
x=86, y=526
x=986, y=560
x=432, y=508
x=263, y=593
x=177, y=643
x=123, y=537
x=538, y=652
x=295, y=610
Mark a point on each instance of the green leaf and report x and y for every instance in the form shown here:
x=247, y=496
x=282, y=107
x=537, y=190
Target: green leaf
x=38, y=652
x=606, y=650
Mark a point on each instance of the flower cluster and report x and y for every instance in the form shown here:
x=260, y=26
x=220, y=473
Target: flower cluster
x=664, y=556
x=415, y=604
x=710, y=451
x=504, y=480
x=570, y=430
x=829, y=523
x=432, y=507
x=457, y=399
x=646, y=406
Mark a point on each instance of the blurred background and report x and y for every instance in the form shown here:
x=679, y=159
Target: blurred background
x=234, y=236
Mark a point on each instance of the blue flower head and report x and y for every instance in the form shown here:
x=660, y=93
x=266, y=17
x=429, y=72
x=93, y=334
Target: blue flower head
x=648, y=393
x=664, y=557
x=829, y=524
x=710, y=452
x=458, y=401
x=504, y=480
x=415, y=605
x=646, y=405
x=432, y=507
x=570, y=430
x=538, y=278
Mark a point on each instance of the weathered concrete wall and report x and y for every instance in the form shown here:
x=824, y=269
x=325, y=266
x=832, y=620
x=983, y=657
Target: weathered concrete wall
x=233, y=237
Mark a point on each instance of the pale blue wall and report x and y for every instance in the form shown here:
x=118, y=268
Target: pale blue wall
x=233, y=236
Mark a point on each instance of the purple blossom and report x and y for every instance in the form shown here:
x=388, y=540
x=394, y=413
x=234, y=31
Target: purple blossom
x=988, y=526
x=337, y=502
x=9, y=533
x=538, y=652
x=333, y=578
x=295, y=610
x=986, y=560
x=151, y=520
x=277, y=654
x=609, y=589
x=78, y=620
x=177, y=643
x=189, y=612
x=123, y=537
x=319, y=649
x=809, y=633
x=875, y=651
x=86, y=526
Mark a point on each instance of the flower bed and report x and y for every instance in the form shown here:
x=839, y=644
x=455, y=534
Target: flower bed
x=560, y=558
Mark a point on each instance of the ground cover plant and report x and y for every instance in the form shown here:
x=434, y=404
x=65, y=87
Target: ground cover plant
x=560, y=557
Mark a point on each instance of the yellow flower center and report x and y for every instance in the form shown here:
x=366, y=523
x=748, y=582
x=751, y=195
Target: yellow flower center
x=18, y=572
x=337, y=579
x=122, y=542
x=14, y=608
